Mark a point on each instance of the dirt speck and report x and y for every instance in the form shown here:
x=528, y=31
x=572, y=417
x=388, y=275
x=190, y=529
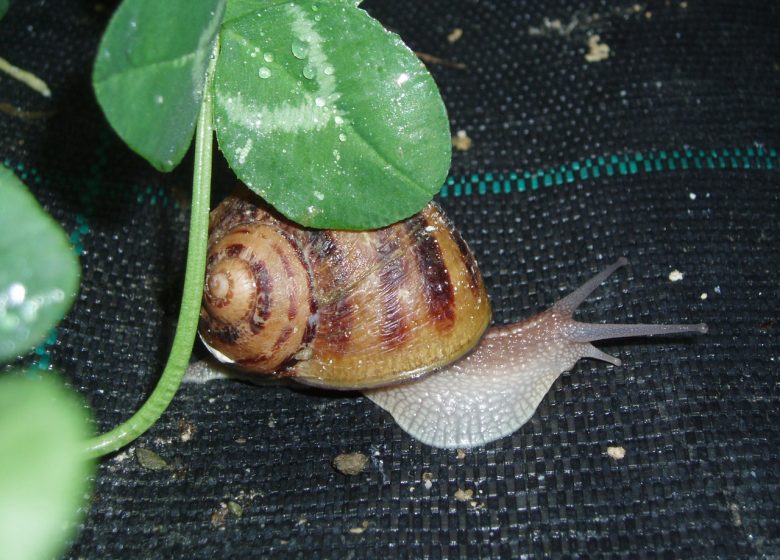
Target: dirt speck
x=455, y=35
x=350, y=463
x=554, y=26
x=219, y=515
x=461, y=141
x=235, y=508
x=241, y=440
x=616, y=452
x=232, y=507
x=360, y=529
x=582, y=23
x=427, y=479
x=736, y=517
x=186, y=430
x=676, y=275
x=462, y=495
x=460, y=454
x=123, y=456
x=119, y=459
x=437, y=61
x=597, y=51
x=150, y=460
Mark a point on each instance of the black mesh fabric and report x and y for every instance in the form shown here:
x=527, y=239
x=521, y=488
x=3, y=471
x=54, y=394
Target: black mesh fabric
x=664, y=151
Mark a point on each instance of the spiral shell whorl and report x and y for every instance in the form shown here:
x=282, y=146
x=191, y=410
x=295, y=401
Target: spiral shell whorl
x=255, y=285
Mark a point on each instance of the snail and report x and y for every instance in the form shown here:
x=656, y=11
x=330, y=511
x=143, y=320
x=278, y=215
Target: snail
x=400, y=313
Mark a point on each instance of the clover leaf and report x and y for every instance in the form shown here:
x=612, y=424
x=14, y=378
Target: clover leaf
x=39, y=272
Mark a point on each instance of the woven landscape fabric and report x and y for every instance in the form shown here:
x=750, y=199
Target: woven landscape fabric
x=583, y=131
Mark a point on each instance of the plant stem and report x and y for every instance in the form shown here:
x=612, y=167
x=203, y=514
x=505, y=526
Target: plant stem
x=192, y=293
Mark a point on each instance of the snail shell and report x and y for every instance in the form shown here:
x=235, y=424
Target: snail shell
x=339, y=309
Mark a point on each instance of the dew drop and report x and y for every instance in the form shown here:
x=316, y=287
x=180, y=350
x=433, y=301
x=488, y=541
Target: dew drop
x=343, y=137
x=159, y=99
x=299, y=49
x=264, y=72
x=320, y=102
x=16, y=293
x=308, y=71
x=268, y=57
x=328, y=70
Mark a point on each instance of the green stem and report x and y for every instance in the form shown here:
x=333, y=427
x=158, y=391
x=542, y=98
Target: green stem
x=187, y=325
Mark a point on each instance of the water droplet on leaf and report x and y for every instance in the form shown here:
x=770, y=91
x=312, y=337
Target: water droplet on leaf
x=308, y=71
x=299, y=48
x=268, y=57
x=320, y=102
x=264, y=72
x=16, y=293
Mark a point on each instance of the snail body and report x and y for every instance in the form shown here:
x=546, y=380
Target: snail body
x=379, y=310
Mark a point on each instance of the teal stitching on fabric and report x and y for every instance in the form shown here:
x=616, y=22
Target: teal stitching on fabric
x=31, y=176
x=153, y=195
x=757, y=157
x=149, y=194
x=633, y=163
x=41, y=353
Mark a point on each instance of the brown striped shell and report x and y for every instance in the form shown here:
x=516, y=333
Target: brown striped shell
x=339, y=309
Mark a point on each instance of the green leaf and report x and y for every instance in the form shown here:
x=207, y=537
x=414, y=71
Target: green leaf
x=329, y=117
x=4, y=7
x=44, y=479
x=150, y=70
x=39, y=271
x=239, y=8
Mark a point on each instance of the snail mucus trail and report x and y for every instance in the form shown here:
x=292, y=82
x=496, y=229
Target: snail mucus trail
x=400, y=313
